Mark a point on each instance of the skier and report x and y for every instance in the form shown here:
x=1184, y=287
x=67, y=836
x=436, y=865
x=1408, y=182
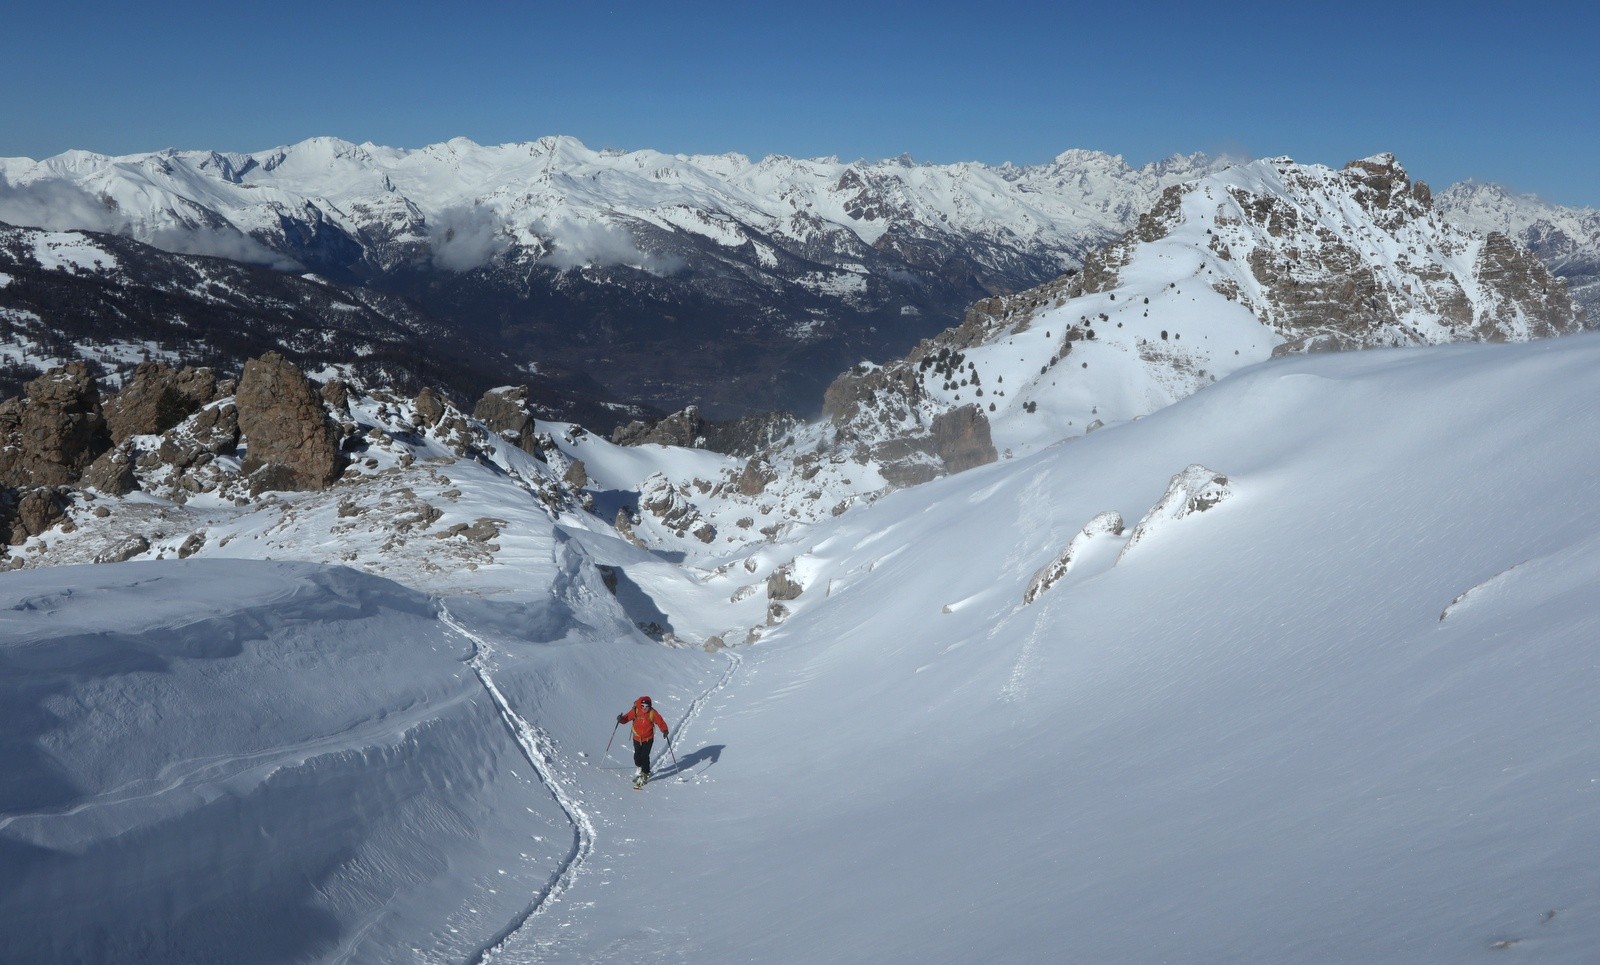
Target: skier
x=645, y=720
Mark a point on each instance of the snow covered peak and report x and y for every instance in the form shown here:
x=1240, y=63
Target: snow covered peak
x=1050, y=205
x=1262, y=259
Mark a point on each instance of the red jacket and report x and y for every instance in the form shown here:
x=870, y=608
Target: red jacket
x=645, y=720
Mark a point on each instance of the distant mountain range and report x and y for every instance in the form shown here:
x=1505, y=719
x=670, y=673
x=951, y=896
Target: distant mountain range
x=716, y=280
x=646, y=280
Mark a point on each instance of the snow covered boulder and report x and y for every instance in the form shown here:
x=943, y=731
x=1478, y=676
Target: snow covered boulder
x=671, y=506
x=781, y=585
x=1103, y=525
x=1195, y=490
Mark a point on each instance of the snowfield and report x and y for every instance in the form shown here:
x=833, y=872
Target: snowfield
x=1340, y=707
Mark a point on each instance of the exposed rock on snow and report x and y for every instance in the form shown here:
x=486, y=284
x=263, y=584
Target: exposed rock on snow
x=31, y=512
x=1567, y=240
x=961, y=439
x=1264, y=259
x=1195, y=490
x=158, y=398
x=1103, y=525
x=674, y=509
x=683, y=429
x=53, y=433
x=291, y=444
x=505, y=411
x=782, y=585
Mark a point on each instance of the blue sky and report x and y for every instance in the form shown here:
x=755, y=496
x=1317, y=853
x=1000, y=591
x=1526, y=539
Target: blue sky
x=1497, y=92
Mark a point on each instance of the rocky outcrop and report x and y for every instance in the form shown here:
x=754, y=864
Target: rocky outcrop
x=157, y=398
x=1193, y=491
x=674, y=509
x=31, y=512
x=782, y=585
x=681, y=429
x=888, y=410
x=961, y=439
x=745, y=436
x=211, y=432
x=112, y=473
x=505, y=412
x=430, y=408
x=758, y=474
x=1519, y=285
x=54, y=432
x=291, y=444
x=1103, y=525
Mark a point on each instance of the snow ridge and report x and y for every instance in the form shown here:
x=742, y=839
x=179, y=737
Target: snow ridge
x=538, y=749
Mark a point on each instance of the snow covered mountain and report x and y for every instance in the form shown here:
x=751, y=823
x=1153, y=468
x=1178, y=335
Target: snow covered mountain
x=1270, y=662
x=732, y=284
x=1566, y=239
x=1324, y=694
x=1263, y=259
x=1224, y=272
x=738, y=285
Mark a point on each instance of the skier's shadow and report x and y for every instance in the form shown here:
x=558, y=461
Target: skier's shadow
x=710, y=754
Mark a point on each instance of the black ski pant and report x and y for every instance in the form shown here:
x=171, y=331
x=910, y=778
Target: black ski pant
x=641, y=753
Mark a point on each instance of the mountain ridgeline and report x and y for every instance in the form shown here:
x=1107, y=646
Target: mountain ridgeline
x=617, y=286
x=665, y=280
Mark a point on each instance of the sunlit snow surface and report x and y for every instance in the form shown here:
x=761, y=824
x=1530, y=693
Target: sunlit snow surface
x=1347, y=714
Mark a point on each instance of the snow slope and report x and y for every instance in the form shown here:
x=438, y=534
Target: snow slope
x=1253, y=738
x=1339, y=708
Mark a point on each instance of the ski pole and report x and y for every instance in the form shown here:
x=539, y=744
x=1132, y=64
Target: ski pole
x=611, y=738
x=675, y=765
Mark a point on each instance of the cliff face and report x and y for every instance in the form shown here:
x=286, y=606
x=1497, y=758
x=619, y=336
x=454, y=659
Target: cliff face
x=1347, y=259
x=1269, y=258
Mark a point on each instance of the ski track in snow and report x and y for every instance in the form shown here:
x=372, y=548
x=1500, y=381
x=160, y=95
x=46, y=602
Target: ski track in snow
x=539, y=751
x=549, y=947
x=734, y=660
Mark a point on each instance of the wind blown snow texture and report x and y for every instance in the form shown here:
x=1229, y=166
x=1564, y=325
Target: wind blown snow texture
x=1345, y=714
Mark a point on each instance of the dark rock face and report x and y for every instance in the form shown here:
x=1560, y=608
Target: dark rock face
x=212, y=432
x=158, y=398
x=291, y=442
x=680, y=429
x=781, y=585
x=744, y=436
x=31, y=512
x=961, y=439
x=53, y=434
x=112, y=473
x=757, y=475
x=877, y=403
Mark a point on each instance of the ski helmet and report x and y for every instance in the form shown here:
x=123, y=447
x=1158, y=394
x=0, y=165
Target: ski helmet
x=643, y=700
